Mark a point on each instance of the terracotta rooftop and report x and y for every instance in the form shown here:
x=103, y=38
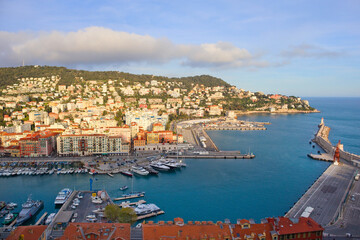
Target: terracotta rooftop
x=285, y=225
x=28, y=232
x=100, y=231
x=179, y=230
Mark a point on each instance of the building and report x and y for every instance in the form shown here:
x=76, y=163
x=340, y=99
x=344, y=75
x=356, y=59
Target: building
x=37, y=144
x=98, y=231
x=152, y=137
x=180, y=230
x=280, y=228
x=28, y=232
x=298, y=228
x=90, y=144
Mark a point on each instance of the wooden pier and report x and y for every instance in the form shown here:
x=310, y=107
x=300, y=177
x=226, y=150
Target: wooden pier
x=153, y=214
x=129, y=197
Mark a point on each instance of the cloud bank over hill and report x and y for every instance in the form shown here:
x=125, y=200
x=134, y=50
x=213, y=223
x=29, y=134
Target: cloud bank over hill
x=99, y=45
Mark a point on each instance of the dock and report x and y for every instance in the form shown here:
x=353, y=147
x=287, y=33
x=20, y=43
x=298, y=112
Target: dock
x=153, y=214
x=129, y=197
x=41, y=219
x=322, y=157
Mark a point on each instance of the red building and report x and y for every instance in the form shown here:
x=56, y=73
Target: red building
x=37, y=144
x=165, y=136
x=98, y=231
x=298, y=228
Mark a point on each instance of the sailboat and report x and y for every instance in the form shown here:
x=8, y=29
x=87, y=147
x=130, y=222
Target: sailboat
x=133, y=194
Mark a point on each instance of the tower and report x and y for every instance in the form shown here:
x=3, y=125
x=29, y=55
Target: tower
x=337, y=154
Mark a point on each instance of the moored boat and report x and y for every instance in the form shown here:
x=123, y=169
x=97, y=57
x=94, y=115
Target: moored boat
x=126, y=173
x=62, y=196
x=10, y=218
x=50, y=218
x=123, y=188
x=29, y=209
x=139, y=170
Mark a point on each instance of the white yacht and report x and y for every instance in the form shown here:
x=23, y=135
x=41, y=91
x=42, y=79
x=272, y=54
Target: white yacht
x=63, y=196
x=50, y=218
x=159, y=166
x=139, y=170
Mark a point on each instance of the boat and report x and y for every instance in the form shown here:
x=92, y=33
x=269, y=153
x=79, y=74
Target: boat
x=29, y=209
x=50, y=218
x=3, y=212
x=62, y=196
x=139, y=170
x=123, y=188
x=151, y=170
x=159, y=166
x=126, y=173
x=143, y=209
x=10, y=218
x=96, y=200
x=11, y=205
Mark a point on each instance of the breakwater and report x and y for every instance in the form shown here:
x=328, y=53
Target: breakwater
x=322, y=139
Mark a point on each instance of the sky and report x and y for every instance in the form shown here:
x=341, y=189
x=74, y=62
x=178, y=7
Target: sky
x=300, y=48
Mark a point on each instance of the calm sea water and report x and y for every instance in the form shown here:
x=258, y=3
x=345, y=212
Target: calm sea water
x=215, y=189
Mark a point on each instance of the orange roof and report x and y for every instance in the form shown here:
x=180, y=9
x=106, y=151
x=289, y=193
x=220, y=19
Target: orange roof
x=179, y=230
x=254, y=230
x=285, y=225
x=28, y=232
x=99, y=230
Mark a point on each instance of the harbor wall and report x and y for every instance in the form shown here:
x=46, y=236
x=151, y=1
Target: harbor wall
x=321, y=138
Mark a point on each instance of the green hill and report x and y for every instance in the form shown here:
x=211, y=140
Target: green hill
x=9, y=76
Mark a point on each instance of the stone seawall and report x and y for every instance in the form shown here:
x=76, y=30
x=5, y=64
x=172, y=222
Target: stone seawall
x=321, y=139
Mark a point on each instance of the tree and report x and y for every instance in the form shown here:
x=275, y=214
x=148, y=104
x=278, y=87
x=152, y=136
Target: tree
x=127, y=215
x=112, y=212
x=123, y=215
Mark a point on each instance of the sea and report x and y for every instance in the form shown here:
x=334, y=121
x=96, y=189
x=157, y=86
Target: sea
x=218, y=189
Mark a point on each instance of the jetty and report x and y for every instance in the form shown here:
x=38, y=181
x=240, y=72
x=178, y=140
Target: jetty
x=41, y=219
x=322, y=157
x=150, y=215
x=129, y=197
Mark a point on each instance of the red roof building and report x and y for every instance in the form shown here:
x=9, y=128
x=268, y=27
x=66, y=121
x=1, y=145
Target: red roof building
x=298, y=228
x=27, y=232
x=98, y=231
x=181, y=231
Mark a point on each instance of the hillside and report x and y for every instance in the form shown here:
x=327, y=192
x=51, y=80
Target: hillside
x=10, y=75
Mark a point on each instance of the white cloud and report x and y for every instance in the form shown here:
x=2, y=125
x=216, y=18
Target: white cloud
x=98, y=45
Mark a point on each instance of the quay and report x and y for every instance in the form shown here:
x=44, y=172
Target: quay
x=129, y=197
x=219, y=155
x=325, y=195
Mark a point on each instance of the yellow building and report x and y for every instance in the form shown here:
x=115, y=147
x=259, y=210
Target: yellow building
x=152, y=137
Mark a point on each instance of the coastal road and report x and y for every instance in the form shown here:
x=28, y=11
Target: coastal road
x=325, y=195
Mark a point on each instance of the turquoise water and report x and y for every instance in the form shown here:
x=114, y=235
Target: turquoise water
x=215, y=189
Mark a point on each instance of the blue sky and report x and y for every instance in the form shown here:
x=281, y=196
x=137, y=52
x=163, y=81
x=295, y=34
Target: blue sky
x=302, y=48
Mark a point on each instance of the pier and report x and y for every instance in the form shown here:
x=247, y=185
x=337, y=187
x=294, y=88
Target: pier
x=149, y=215
x=41, y=219
x=322, y=157
x=129, y=197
